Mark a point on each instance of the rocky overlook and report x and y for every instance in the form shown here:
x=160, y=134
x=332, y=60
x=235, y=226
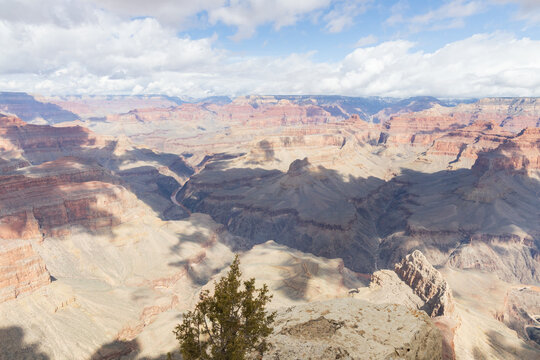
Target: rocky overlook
x=353, y=329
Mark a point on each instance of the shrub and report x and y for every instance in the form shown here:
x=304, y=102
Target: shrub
x=229, y=324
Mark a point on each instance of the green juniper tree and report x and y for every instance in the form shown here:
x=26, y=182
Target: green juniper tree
x=229, y=324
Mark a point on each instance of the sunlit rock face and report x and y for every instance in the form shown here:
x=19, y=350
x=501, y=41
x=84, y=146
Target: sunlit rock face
x=521, y=154
x=22, y=270
x=427, y=283
x=55, y=196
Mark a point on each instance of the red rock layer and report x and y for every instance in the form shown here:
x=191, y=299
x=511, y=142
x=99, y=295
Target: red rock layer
x=88, y=106
x=21, y=269
x=469, y=141
x=519, y=154
x=46, y=198
x=241, y=113
x=19, y=225
x=40, y=141
x=423, y=127
x=183, y=113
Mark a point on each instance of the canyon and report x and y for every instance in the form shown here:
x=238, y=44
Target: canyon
x=399, y=227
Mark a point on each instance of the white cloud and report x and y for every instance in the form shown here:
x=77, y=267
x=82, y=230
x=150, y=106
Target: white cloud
x=449, y=15
x=450, y=10
x=247, y=15
x=528, y=10
x=66, y=46
x=63, y=13
x=482, y=65
x=366, y=40
x=104, y=48
x=175, y=13
x=109, y=55
x=343, y=14
x=396, y=13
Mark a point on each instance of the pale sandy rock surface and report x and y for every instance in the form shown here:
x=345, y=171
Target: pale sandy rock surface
x=479, y=297
x=295, y=277
x=353, y=329
x=386, y=287
x=123, y=292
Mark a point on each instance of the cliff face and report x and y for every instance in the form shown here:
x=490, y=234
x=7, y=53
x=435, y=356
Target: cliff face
x=459, y=134
x=427, y=283
x=56, y=182
x=22, y=270
x=452, y=216
x=464, y=144
x=520, y=154
x=51, y=198
x=511, y=114
x=306, y=208
x=42, y=143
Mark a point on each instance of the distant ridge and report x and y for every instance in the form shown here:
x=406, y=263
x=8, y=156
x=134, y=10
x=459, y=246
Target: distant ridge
x=28, y=108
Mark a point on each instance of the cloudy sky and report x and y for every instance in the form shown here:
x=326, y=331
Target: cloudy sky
x=445, y=48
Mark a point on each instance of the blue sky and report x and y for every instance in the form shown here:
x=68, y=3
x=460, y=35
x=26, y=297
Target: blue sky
x=449, y=48
x=375, y=25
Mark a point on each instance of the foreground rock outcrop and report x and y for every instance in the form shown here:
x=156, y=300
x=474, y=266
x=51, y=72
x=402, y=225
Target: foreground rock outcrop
x=426, y=282
x=353, y=329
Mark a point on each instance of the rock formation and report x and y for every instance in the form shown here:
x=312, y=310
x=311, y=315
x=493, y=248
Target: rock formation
x=98, y=107
x=22, y=270
x=56, y=196
x=305, y=208
x=511, y=114
x=353, y=329
x=28, y=108
x=520, y=154
x=427, y=283
x=385, y=286
x=464, y=144
x=521, y=312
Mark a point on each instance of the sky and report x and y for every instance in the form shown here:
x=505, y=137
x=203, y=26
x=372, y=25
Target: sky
x=398, y=48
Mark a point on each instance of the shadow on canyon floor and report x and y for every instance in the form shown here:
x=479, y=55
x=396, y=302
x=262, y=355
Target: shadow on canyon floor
x=14, y=347
x=147, y=181
x=500, y=345
x=46, y=143
x=368, y=222
x=127, y=350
